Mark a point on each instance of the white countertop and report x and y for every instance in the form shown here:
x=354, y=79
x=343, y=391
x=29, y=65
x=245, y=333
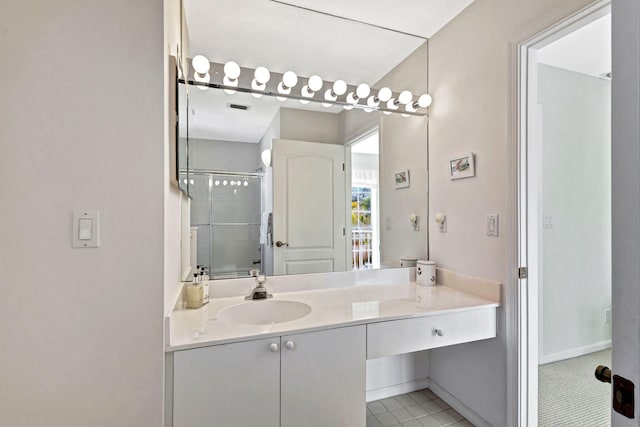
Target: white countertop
x=330, y=308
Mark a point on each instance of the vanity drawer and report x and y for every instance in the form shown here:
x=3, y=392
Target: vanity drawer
x=421, y=333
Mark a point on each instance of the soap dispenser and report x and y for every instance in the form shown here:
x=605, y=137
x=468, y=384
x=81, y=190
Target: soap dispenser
x=197, y=293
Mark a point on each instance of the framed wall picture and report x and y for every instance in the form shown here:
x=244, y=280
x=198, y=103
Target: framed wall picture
x=462, y=167
x=401, y=179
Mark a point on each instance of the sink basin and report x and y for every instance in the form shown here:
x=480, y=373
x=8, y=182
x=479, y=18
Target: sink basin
x=267, y=312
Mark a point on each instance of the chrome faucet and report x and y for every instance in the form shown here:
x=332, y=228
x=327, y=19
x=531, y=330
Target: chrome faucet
x=259, y=292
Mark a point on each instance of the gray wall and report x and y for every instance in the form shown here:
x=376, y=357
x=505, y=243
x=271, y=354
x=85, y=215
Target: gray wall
x=311, y=126
x=82, y=329
x=576, y=192
x=233, y=156
x=403, y=145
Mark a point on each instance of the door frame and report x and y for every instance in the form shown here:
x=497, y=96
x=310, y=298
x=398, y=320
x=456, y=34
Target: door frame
x=521, y=293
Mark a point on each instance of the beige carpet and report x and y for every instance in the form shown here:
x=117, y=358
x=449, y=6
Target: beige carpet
x=570, y=395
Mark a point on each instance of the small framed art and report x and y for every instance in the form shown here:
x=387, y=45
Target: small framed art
x=462, y=167
x=401, y=179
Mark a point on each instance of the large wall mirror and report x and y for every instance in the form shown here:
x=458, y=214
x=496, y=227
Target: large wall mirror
x=286, y=186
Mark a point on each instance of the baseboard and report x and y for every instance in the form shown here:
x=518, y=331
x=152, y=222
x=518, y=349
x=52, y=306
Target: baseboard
x=396, y=389
x=574, y=352
x=462, y=409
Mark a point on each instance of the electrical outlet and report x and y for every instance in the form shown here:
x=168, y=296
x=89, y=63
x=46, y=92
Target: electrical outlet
x=607, y=315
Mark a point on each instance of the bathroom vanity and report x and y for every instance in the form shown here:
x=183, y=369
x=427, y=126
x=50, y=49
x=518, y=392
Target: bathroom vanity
x=229, y=365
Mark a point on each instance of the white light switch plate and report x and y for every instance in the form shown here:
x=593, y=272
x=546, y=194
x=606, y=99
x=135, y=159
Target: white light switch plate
x=86, y=230
x=492, y=225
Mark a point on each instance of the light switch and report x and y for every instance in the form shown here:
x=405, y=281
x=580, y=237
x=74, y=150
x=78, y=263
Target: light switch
x=86, y=230
x=492, y=225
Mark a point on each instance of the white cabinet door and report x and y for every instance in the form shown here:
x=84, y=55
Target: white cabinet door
x=323, y=378
x=231, y=385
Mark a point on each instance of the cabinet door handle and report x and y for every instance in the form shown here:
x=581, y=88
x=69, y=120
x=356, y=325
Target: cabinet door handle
x=290, y=345
x=273, y=347
x=438, y=332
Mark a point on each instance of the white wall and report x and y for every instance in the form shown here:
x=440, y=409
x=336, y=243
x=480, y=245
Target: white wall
x=576, y=193
x=266, y=142
x=82, y=329
x=468, y=78
x=234, y=156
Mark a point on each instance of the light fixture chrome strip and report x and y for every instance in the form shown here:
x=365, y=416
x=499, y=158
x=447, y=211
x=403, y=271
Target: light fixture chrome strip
x=349, y=19
x=296, y=97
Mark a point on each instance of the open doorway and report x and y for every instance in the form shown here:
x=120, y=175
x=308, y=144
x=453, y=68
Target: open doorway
x=566, y=169
x=365, y=202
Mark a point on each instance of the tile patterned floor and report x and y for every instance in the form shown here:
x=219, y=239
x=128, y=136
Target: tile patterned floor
x=417, y=409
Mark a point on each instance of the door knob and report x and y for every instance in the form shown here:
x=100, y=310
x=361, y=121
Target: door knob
x=290, y=345
x=603, y=374
x=281, y=244
x=273, y=347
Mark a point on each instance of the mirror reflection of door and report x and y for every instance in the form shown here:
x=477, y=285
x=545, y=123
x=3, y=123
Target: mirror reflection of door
x=365, y=202
x=308, y=207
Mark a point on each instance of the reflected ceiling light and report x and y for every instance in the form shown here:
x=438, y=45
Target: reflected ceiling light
x=233, y=183
x=266, y=157
x=201, y=64
x=217, y=183
x=224, y=182
x=238, y=183
x=424, y=101
x=228, y=82
x=246, y=183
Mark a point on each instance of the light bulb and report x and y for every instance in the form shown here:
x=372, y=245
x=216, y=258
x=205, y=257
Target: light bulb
x=391, y=105
x=351, y=98
x=405, y=97
x=266, y=157
x=233, y=183
x=425, y=100
x=306, y=92
x=329, y=95
x=290, y=79
x=202, y=78
x=363, y=90
x=224, y=182
x=315, y=83
x=232, y=70
x=371, y=102
x=384, y=94
x=201, y=64
x=257, y=86
x=339, y=87
x=262, y=75
x=227, y=82
x=410, y=108
x=217, y=183
x=283, y=89
x=246, y=183
x=238, y=183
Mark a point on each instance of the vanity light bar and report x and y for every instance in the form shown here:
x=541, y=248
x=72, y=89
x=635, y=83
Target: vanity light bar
x=261, y=82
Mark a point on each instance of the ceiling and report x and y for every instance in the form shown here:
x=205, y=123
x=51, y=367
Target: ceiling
x=286, y=37
x=586, y=50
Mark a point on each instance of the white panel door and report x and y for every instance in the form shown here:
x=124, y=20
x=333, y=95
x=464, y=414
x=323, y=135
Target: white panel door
x=308, y=207
x=231, y=385
x=324, y=378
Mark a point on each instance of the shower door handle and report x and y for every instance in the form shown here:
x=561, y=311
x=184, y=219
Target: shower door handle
x=281, y=244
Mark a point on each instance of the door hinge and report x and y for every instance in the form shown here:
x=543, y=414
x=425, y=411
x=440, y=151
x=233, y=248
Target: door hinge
x=344, y=231
x=343, y=167
x=522, y=273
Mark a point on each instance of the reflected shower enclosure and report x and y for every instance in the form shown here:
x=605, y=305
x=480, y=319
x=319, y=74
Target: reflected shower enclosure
x=225, y=211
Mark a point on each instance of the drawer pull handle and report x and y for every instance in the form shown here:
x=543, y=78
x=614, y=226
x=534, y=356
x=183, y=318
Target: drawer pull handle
x=438, y=332
x=290, y=345
x=273, y=347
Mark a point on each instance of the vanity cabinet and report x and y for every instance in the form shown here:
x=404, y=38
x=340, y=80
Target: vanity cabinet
x=313, y=379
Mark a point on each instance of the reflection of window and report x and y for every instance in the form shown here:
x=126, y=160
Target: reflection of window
x=361, y=230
